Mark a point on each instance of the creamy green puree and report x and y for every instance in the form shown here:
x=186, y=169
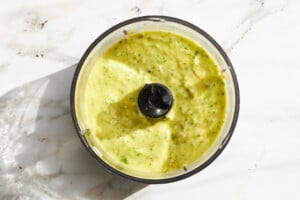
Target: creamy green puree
x=130, y=139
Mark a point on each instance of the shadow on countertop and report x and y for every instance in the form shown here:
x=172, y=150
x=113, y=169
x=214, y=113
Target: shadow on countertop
x=41, y=154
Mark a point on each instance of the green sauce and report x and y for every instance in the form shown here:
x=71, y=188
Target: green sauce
x=128, y=138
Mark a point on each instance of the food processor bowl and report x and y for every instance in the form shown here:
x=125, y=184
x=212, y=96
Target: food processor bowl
x=155, y=23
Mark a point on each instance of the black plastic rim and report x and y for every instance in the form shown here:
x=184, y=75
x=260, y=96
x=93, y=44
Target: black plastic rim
x=230, y=68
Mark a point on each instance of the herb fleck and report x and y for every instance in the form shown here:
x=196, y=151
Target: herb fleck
x=184, y=168
x=87, y=132
x=123, y=159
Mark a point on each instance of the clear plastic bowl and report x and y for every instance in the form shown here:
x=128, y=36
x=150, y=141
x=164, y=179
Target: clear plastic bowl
x=160, y=23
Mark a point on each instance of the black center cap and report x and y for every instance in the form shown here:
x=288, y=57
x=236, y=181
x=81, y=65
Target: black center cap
x=155, y=100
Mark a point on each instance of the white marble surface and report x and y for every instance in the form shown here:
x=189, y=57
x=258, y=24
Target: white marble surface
x=40, y=154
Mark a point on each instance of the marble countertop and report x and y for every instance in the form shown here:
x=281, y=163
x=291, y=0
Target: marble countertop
x=41, y=157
